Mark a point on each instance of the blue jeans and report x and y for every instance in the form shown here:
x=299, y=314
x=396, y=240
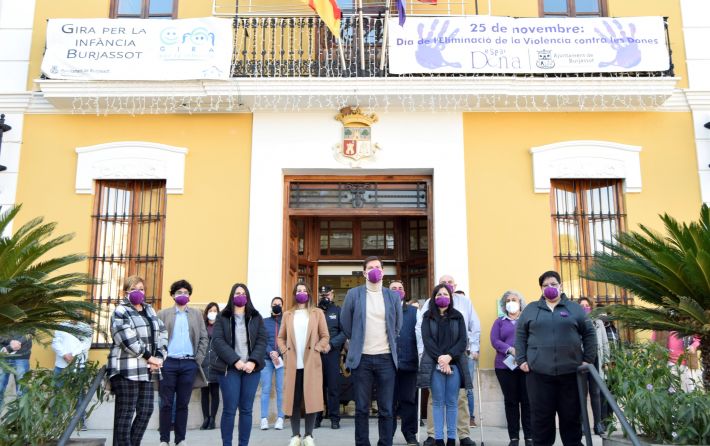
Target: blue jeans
x=444, y=394
x=469, y=392
x=238, y=390
x=266, y=375
x=378, y=371
x=60, y=383
x=19, y=368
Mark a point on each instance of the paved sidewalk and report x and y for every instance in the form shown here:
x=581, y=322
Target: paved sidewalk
x=325, y=436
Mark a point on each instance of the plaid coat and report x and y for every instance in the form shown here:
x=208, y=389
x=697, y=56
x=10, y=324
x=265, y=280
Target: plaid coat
x=133, y=343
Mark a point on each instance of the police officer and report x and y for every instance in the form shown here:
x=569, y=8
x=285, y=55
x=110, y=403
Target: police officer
x=331, y=360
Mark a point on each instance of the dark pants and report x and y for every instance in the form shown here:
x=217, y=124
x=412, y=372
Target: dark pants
x=238, y=390
x=554, y=394
x=595, y=397
x=405, y=403
x=210, y=400
x=133, y=398
x=515, y=396
x=331, y=381
x=297, y=408
x=176, y=385
x=379, y=371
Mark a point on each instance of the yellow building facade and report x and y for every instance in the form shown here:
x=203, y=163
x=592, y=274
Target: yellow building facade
x=467, y=175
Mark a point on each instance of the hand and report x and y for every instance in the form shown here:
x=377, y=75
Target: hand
x=239, y=365
x=511, y=351
x=248, y=367
x=474, y=355
x=524, y=367
x=692, y=349
x=444, y=360
x=15, y=345
x=318, y=348
x=68, y=357
x=274, y=355
x=447, y=369
x=153, y=368
x=154, y=360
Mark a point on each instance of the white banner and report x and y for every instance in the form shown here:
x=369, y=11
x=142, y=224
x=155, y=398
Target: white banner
x=489, y=44
x=138, y=49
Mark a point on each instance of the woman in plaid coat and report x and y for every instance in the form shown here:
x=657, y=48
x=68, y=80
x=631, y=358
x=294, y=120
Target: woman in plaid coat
x=140, y=343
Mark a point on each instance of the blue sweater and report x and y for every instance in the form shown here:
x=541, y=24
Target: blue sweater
x=272, y=325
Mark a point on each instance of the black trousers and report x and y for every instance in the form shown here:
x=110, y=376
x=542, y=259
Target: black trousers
x=210, y=400
x=133, y=408
x=176, y=386
x=297, y=407
x=550, y=395
x=405, y=403
x=331, y=381
x=515, y=397
x=595, y=397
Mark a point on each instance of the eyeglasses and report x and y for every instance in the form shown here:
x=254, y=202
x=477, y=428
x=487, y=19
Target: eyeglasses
x=182, y=294
x=550, y=284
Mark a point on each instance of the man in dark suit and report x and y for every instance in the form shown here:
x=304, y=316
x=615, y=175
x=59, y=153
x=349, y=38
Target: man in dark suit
x=331, y=360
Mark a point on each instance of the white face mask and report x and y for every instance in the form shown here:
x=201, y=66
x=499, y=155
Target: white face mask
x=212, y=316
x=512, y=307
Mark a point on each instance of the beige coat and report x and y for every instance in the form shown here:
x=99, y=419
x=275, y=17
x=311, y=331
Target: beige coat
x=198, y=337
x=317, y=339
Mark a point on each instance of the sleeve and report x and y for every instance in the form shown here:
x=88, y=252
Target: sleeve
x=125, y=335
x=58, y=343
x=282, y=337
x=323, y=333
x=346, y=314
x=431, y=347
x=259, y=352
x=496, y=342
x=203, y=342
x=459, y=348
x=589, y=340
x=399, y=316
x=224, y=351
x=474, y=332
x=418, y=327
x=161, y=349
x=338, y=340
x=521, y=339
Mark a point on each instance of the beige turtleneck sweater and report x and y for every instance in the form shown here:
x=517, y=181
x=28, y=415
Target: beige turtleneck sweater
x=375, y=326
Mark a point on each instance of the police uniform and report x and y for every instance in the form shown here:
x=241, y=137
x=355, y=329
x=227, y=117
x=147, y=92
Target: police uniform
x=331, y=360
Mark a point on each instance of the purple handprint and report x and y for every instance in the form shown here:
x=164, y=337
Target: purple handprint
x=428, y=52
x=627, y=51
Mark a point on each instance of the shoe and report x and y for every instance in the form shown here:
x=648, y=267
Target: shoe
x=211, y=426
x=182, y=443
x=514, y=442
x=163, y=443
x=295, y=441
x=451, y=442
x=308, y=441
x=466, y=441
x=205, y=424
x=429, y=441
x=472, y=422
x=439, y=443
x=264, y=424
x=318, y=422
x=335, y=424
x=83, y=428
x=528, y=442
x=599, y=429
x=412, y=441
x=279, y=424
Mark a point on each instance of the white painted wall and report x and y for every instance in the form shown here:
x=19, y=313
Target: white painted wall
x=302, y=143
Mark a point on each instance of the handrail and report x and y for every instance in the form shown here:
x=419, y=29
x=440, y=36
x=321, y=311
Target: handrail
x=81, y=408
x=582, y=370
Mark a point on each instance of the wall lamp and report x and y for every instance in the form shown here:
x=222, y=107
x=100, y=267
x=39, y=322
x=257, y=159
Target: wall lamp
x=707, y=125
x=3, y=128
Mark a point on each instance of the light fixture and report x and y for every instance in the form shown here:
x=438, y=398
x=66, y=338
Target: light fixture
x=707, y=125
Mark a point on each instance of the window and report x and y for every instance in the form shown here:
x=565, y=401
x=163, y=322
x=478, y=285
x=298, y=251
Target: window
x=377, y=238
x=127, y=239
x=585, y=213
x=336, y=237
x=143, y=9
x=573, y=8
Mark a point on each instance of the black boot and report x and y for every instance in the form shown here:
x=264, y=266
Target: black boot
x=514, y=442
x=205, y=423
x=451, y=442
x=211, y=425
x=439, y=442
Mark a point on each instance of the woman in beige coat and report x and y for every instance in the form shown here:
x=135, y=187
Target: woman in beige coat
x=302, y=338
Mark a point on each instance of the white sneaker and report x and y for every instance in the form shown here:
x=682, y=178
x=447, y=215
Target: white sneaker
x=295, y=441
x=308, y=441
x=279, y=424
x=264, y=424
x=182, y=443
x=162, y=443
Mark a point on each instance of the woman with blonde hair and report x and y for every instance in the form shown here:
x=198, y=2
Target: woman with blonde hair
x=302, y=338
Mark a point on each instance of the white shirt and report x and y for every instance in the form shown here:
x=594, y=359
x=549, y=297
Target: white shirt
x=300, y=329
x=463, y=305
x=64, y=343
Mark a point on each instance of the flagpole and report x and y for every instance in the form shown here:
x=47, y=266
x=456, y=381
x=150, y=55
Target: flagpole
x=384, y=37
x=340, y=50
x=362, y=37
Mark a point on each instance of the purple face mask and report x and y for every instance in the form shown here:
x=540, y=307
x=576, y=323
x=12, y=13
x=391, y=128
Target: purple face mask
x=301, y=297
x=182, y=299
x=240, y=300
x=137, y=297
x=374, y=275
x=551, y=292
x=449, y=287
x=442, y=301
x=401, y=294
x=587, y=309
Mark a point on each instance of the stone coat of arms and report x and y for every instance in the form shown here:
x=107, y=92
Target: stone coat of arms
x=357, y=145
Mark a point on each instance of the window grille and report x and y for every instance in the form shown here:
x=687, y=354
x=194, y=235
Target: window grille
x=573, y=8
x=585, y=213
x=128, y=238
x=143, y=9
x=358, y=195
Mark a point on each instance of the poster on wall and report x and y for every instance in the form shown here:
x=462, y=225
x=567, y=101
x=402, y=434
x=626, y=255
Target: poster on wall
x=138, y=49
x=490, y=44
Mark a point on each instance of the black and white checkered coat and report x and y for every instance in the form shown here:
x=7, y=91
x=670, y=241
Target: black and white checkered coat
x=133, y=344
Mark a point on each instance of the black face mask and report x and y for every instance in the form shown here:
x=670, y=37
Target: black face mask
x=323, y=303
x=276, y=309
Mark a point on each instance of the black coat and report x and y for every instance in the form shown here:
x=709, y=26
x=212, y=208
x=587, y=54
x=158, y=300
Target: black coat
x=407, y=340
x=433, y=347
x=332, y=319
x=223, y=356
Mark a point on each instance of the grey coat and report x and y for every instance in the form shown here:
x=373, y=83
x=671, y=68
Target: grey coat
x=198, y=337
x=353, y=316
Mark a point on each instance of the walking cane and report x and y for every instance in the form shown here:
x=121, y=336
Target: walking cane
x=419, y=411
x=480, y=400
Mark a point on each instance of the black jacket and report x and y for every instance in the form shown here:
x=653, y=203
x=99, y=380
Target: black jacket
x=332, y=318
x=407, y=340
x=433, y=347
x=555, y=343
x=222, y=354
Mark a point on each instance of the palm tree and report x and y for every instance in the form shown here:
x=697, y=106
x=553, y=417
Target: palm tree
x=34, y=296
x=669, y=272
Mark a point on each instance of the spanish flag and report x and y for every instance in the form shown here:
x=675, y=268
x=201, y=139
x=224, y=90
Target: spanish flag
x=329, y=12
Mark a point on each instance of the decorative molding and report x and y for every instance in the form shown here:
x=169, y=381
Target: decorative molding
x=130, y=160
x=586, y=159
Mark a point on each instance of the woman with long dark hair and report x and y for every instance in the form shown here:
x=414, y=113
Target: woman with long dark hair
x=302, y=338
x=239, y=346
x=210, y=393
